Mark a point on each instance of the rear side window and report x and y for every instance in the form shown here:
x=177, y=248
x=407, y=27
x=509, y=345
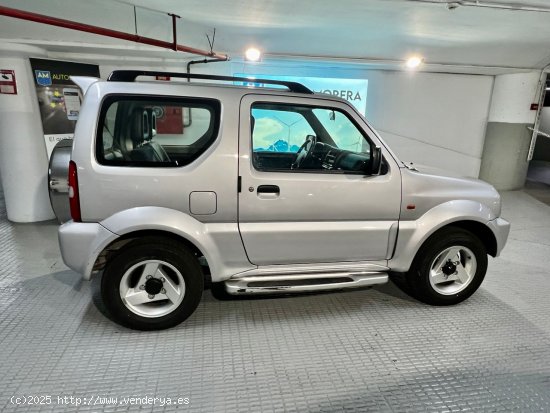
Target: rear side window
x=155, y=131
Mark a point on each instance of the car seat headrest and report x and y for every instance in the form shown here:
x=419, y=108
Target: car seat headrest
x=152, y=124
x=139, y=126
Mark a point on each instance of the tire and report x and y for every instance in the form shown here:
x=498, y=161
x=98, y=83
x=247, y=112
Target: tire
x=449, y=267
x=152, y=283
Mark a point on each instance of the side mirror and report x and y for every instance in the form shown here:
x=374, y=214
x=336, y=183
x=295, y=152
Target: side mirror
x=375, y=163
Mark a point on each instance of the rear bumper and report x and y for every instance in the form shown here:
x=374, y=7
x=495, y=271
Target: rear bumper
x=501, y=229
x=81, y=243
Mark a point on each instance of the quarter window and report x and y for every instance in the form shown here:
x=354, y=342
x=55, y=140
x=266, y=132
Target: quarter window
x=155, y=132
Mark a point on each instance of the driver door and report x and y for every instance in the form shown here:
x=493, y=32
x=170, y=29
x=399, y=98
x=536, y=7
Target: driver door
x=313, y=212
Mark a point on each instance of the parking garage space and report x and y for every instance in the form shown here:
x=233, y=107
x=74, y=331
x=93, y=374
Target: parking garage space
x=367, y=350
x=274, y=206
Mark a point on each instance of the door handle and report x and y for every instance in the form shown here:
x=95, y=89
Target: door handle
x=268, y=189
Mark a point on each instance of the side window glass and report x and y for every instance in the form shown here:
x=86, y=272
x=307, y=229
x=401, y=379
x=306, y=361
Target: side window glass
x=306, y=139
x=155, y=131
x=342, y=131
x=109, y=127
x=278, y=130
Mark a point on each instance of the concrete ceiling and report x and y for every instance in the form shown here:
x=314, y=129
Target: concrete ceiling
x=369, y=30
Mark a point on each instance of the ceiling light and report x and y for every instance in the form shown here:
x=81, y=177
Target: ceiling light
x=252, y=54
x=414, y=62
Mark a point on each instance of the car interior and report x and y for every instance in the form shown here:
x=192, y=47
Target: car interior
x=130, y=138
x=317, y=152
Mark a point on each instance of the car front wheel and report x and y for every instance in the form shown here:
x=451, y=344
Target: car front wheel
x=449, y=267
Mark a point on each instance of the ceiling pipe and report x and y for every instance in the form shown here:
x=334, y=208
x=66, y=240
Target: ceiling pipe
x=174, y=30
x=451, y=5
x=67, y=24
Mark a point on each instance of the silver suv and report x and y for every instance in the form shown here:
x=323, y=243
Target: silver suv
x=261, y=190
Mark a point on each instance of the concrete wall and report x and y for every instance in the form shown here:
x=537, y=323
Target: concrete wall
x=507, y=140
x=506, y=148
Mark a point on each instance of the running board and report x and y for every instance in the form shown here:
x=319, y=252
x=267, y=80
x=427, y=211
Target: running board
x=305, y=282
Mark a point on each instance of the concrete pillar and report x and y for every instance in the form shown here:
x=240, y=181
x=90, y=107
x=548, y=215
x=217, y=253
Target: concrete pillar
x=507, y=139
x=23, y=158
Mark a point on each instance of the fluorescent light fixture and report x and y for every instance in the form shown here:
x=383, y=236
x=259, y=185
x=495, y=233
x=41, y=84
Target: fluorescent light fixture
x=414, y=62
x=252, y=54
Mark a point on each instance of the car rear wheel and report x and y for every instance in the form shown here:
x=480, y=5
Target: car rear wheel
x=152, y=283
x=449, y=267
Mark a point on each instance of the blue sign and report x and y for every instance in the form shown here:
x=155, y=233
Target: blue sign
x=43, y=77
x=353, y=90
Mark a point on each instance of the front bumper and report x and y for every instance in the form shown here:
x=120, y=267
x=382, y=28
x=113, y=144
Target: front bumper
x=81, y=243
x=501, y=229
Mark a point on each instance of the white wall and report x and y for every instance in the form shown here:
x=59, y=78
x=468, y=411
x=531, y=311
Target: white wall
x=23, y=157
x=513, y=95
x=432, y=118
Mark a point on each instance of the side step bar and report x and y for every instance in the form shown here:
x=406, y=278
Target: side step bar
x=297, y=283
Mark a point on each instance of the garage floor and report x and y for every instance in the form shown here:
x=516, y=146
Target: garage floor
x=368, y=350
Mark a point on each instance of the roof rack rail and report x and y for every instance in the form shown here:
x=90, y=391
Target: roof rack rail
x=131, y=75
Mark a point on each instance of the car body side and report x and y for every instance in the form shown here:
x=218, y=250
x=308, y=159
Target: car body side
x=117, y=202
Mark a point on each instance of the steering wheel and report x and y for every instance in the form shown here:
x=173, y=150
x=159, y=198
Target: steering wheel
x=305, y=151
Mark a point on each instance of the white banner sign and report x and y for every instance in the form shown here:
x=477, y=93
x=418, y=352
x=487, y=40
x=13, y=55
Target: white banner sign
x=353, y=90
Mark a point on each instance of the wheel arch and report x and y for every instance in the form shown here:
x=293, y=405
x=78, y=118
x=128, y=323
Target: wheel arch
x=114, y=246
x=482, y=231
x=469, y=215
x=208, y=240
